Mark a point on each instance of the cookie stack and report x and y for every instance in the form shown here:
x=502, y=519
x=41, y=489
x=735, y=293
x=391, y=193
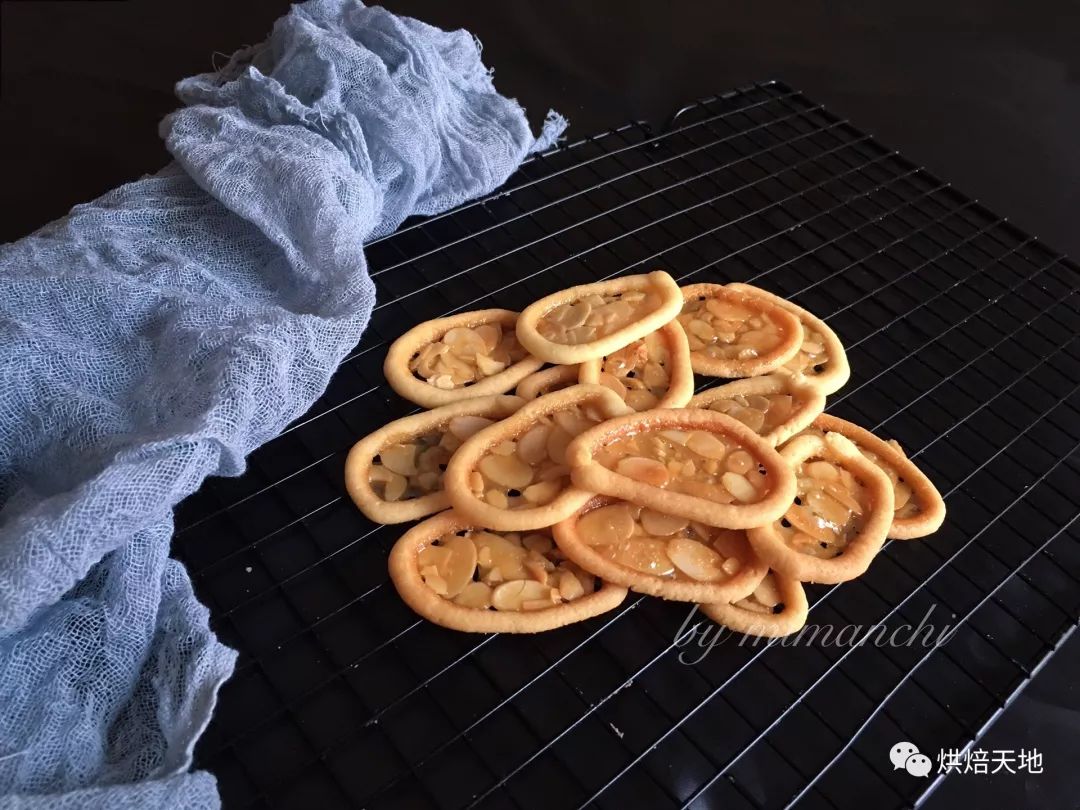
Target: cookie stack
x=604, y=473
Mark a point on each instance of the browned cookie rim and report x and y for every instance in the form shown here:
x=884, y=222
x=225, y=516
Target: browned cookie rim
x=681, y=374
x=833, y=378
x=791, y=340
x=931, y=504
x=565, y=353
x=813, y=400
x=592, y=476
x=861, y=549
x=790, y=620
x=401, y=351
x=404, y=570
x=361, y=457
x=569, y=541
x=464, y=461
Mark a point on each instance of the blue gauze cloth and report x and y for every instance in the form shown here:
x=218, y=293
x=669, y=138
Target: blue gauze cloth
x=157, y=335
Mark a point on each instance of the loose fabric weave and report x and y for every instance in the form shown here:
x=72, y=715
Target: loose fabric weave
x=157, y=335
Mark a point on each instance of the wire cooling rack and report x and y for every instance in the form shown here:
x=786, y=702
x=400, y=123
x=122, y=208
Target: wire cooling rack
x=962, y=336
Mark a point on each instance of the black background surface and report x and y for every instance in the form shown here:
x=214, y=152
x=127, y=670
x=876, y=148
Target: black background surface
x=985, y=94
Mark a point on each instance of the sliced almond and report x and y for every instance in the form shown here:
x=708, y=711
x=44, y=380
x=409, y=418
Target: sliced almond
x=646, y=555
x=400, y=458
x=542, y=492
x=647, y=470
x=506, y=471
x=607, y=525
x=695, y=559
x=707, y=445
x=739, y=487
x=475, y=595
x=532, y=446
x=511, y=595
x=661, y=525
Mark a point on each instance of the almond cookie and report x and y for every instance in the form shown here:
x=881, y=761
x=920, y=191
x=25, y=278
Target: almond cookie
x=547, y=380
x=838, y=519
x=653, y=372
x=697, y=464
x=661, y=555
x=776, y=406
x=918, y=506
x=776, y=608
x=592, y=320
x=513, y=475
x=821, y=357
x=476, y=580
x=473, y=354
x=732, y=334
x=396, y=473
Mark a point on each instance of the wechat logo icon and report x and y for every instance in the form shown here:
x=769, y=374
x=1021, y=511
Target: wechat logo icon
x=906, y=755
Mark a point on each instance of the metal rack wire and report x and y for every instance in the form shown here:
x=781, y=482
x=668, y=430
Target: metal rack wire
x=962, y=336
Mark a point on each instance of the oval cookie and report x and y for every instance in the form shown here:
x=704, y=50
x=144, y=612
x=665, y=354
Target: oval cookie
x=777, y=608
x=838, y=519
x=821, y=357
x=776, y=406
x=732, y=334
x=396, y=473
x=592, y=320
x=479, y=581
x=513, y=476
x=696, y=464
x=653, y=372
x=473, y=354
x=547, y=380
x=661, y=555
x=918, y=506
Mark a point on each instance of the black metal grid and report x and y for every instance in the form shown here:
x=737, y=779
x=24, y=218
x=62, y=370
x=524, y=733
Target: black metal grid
x=962, y=336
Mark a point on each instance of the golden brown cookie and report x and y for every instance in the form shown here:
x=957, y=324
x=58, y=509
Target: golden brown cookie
x=473, y=354
x=776, y=406
x=661, y=555
x=653, y=372
x=396, y=473
x=592, y=320
x=919, y=509
x=547, y=380
x=821, y=357
x=472, y=579
x=777, y=608
x=732, y=334
x=513, y=475
x=696, y=464
x=838, y=519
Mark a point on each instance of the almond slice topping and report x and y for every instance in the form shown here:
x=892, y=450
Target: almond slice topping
x=653, y=372
x=513, y=475
x=731, y=334
x=593, y=320
x=676, y=462
x=662, y=554
x=472, y=354
x=396, y=473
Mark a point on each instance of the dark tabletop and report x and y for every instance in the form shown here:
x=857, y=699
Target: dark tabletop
x=982, y=92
